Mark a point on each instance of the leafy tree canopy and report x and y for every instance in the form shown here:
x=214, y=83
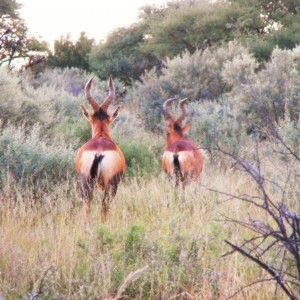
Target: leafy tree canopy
x=15, y=41
x=121, y=54
x=169, y=30
x=9, y=7
x=70, y=54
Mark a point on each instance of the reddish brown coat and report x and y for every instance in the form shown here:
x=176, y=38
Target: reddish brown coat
x=99, y=162
x=182, y=159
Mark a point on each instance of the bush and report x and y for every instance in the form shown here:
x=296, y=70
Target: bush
x=142, y=150
x=15, y=105
x=197, y=76
x=28, y=155
x=266, y=99
x=139, y=160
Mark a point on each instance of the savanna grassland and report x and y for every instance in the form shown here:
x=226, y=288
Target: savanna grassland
x=159, y=242
x=179, y=235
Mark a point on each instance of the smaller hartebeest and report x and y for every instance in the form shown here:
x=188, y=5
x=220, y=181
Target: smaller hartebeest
x=182, y=159
x=99, y=162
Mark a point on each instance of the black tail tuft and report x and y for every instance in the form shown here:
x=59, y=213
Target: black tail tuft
x=177, y=169
x=176, y=163
x=95, y=164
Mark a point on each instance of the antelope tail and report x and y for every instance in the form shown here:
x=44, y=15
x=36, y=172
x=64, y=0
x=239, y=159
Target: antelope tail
x=177, y=169
x=95, y=165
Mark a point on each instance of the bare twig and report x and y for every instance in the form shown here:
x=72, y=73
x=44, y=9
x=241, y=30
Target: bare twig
x=267, y=268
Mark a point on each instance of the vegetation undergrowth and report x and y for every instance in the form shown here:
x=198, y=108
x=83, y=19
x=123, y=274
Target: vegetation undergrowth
x=179, y=235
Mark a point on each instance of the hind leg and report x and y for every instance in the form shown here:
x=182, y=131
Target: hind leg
x=109, y=194
x=177, y=177
x=105, y=205
x=85, y=187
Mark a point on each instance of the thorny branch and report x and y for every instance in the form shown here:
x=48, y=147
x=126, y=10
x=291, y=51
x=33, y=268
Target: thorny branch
x=278, y=233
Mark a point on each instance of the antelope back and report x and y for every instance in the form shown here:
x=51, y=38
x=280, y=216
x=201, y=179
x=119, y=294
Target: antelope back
x=100, y=158
x=182, y=159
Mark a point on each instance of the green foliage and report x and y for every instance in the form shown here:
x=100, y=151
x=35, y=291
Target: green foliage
x=15, y=105
x=214, y=124
x=13, y=41
x=9, y=7
x=120, y=54
x=266, y=97
x=139, y=160
x=16, y=46
x=69, y=54
x=135, y=242
x=196, y=76
x=191, y=26
x=179, y=26
x=30, y=156
x=289, y=131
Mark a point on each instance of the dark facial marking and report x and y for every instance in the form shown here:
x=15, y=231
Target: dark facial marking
x=101, y=114
x=177, y=127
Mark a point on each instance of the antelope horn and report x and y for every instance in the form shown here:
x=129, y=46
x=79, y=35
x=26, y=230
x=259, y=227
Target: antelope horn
x=111, y=95
x=89, y=97
x=183, y=110
x=166, y=108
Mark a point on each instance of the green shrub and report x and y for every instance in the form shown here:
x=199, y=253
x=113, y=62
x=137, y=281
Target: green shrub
x=197, y=76
x=139, y=160
x=15, y=105
x=28, y=155
x=142, y=150
x=135, y=242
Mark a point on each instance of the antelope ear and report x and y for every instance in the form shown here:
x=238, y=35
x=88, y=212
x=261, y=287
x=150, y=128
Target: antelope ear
x=115, y=114
x=85, y=113
x=186, y=128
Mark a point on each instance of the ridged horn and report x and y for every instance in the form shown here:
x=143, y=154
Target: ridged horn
x=89, y=97
x=183, y=110
x=166, y=108
x=111, y=95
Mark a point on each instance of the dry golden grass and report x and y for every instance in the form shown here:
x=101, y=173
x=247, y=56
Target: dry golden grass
x=46, y=248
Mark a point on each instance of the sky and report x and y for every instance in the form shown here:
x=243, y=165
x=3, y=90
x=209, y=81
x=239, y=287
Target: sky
x=50, y=19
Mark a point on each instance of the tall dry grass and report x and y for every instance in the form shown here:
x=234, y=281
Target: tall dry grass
x=47, y=250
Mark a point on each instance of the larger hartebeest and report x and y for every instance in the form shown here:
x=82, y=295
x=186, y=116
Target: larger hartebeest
x=182, y=159
x=99, y=162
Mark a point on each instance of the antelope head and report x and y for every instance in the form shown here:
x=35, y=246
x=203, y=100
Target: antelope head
x=176, y=130
x=99, y=119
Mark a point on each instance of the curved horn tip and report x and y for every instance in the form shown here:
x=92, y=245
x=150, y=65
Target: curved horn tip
x=170, y=100
x=110, y=82
x=183, y=100
x=88, y=84
x=167, y=102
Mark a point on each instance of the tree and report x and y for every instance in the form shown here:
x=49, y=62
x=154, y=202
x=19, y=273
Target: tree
x=9, y=7
x=15, y=42
x=122, y=56
x=279, y=25
x=70, y=54
x=191, y=26
x=169, y=30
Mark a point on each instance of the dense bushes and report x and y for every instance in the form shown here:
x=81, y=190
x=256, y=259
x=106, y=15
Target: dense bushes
x=248, y=112
x=42, y=126
x=230, y=97
x=197, y=76
x=28, y=155
x=233, y=95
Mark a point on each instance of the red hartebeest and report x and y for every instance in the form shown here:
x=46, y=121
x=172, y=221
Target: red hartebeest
x=99, y=162
x=182, y=159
